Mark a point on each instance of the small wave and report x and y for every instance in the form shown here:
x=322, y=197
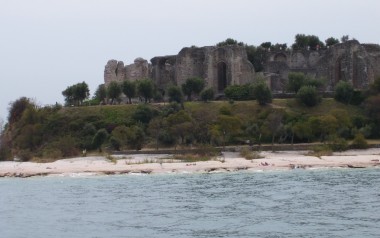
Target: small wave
x=74, y=175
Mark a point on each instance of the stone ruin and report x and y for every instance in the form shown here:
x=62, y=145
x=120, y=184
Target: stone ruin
x=358, y=64
x=219, y=66
x=351, y=61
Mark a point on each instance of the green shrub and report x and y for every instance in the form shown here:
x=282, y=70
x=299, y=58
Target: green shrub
x=344, y=92
x=52, y=153
x=359, y=142
x=175, y=94
x=25, y=155
x=249, y=154
x=338, y=144
x=321, y=150
x=308, y=95
x=238, y=92
x=262, y=93
x=207, y=95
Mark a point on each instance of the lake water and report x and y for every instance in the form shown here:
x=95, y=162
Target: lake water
x=298, y=203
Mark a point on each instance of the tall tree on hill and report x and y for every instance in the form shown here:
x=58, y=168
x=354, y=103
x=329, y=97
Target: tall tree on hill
x=129, y=89
x=114, y=91
x=101, y=93
x=145, y=89
x=193, y=85
x=331, y=41
x=175, y=94
x=229, y=41
x=75, y=94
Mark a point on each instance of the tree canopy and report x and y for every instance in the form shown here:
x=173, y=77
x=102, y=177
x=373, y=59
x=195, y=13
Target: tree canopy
x=114, y=91
x=75, y=94
x=145, y=89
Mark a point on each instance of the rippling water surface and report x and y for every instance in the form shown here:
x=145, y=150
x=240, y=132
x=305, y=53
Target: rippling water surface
x=320, y=203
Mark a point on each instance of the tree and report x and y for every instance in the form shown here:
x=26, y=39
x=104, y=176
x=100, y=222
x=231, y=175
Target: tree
x=228, y=126
x=301, y=41
x=101, y=93
x=262, y=93
x=314, y=43
x=295, y=81
x=308, y=95
x=331, y=41
x=113, y=91
x=75, y=94
x=274, y=123
x=303, y=130
x=119, y=137
x=328, y=126
x=175, y=94
x=344, y=92
x=99, y=138
x=344, y=38
x=17, y=108
x=207, y=95
x=229, y=41
x=143, y=114
x=180, y=125
x=145, y=89
x=135, y=137
x=129, y=89
x=193, y=85
x=266, y=45
x=257, y=56
x=155, y=127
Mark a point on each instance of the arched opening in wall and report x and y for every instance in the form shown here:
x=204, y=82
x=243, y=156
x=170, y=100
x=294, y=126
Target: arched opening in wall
x=222, y=76
x=280, y=57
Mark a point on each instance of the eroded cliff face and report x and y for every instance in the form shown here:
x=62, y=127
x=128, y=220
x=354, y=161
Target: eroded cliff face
x=351, y=61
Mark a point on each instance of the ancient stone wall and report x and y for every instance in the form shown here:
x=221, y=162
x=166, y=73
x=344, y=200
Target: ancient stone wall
x=116, y=71
x=350, y=61
x=219, y=66
x=140, y=69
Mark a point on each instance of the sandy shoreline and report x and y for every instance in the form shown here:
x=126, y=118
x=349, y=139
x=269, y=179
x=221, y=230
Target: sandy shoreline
x=148, y=164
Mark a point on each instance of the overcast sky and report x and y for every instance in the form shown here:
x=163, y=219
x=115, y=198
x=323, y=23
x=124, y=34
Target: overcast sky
x=47, y=45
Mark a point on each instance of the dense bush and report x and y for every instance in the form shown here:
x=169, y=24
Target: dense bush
x=239, y=92
x=308, y=95
x=359, y=142
x=51, y=132
x=262, y=93
x=175, y=94
x=344, y=92
x=207, y=95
